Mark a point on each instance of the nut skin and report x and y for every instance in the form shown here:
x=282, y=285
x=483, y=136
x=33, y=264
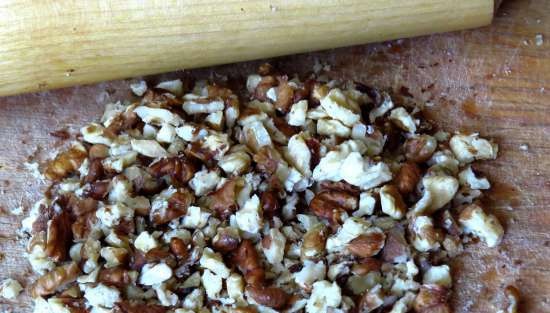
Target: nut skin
x=432, y=299
x=98, y=151
x=245, y=310
x=407, y=178
x=178, y=168
x=314, y=147
x=367, y=303
x=272, y=297
x=330, y=205
x=265, y=84
x=367, y=245
x=420, y=148
x=127, y=307
x=121, y=122
x=285, y=96
x=266, y=161
x=82, y=226
x=95, y=171
x=59, y=236
x=225, y=242
x=248, y=262
x=179, y=248
x=223, y=201
x=366, y=265
x=177, y=206
x=396, y=246
x=52, y=281
x=393, y=192
x=115, y=276
x=340, y=186
x=313, y=245
x=65, y=163
x=284, y=127
x=270, y=203
x=98, y=190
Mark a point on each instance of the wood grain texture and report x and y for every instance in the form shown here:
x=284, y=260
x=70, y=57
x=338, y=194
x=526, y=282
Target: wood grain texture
x=50, y=44
x=495, y=80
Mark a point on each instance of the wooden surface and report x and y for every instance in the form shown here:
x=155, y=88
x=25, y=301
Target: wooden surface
x=495, y=80
x=58, y=43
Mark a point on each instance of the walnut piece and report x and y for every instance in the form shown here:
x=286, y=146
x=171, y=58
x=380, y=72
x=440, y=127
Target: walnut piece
x=54, y=280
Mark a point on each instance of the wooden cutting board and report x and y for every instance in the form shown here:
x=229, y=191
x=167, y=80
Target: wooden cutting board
x=495, y=80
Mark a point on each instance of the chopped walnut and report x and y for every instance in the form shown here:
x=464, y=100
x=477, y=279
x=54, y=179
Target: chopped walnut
x=66, y=163
x=485, y=226
x=296, y=196
x=54, y=280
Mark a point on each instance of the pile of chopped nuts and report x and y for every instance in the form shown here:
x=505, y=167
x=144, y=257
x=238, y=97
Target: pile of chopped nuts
x=290, y=196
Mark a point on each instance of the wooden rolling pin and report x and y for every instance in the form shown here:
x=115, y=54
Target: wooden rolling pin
x=56, y=43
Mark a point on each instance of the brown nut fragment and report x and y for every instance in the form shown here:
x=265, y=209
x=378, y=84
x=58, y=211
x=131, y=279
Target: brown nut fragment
x=340, y=186
x=225, y=241
x=123, y=121
x=245, y=310
x=264, y=85
x=83, y=225
x=98, y=151
x=272, y=297
x=115, y=276
x=73, y=304
x=407, y=178
x=285, y=96
x=125, y=227
x=304, y=92
x=95, y=171
x=54, y=280
x=423, y=235
x=420, y=148
x=98, y=190
x=265, y=159
x=366, y=265
x=178, y=168
x=396, y=249
x=71, y=292
x=313, y=245
x=59, y=236
x=330, y=205
x=370, y=300
x=282, y=125
x=223, y=201
x=319, y=92
x=127, y=307
x=367, y=245
x=177, y=207
x=445, y=220
x=248, y=262
x=179, y=248
x=432, y=299
x=270, y=203
x=66, y=163
x=314, y=147
x=157, y=254
x=41, y=223
x=392, y=202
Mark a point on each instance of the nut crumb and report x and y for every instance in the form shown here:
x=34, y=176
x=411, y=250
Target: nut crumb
x=539, y=40
x=524, y=147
